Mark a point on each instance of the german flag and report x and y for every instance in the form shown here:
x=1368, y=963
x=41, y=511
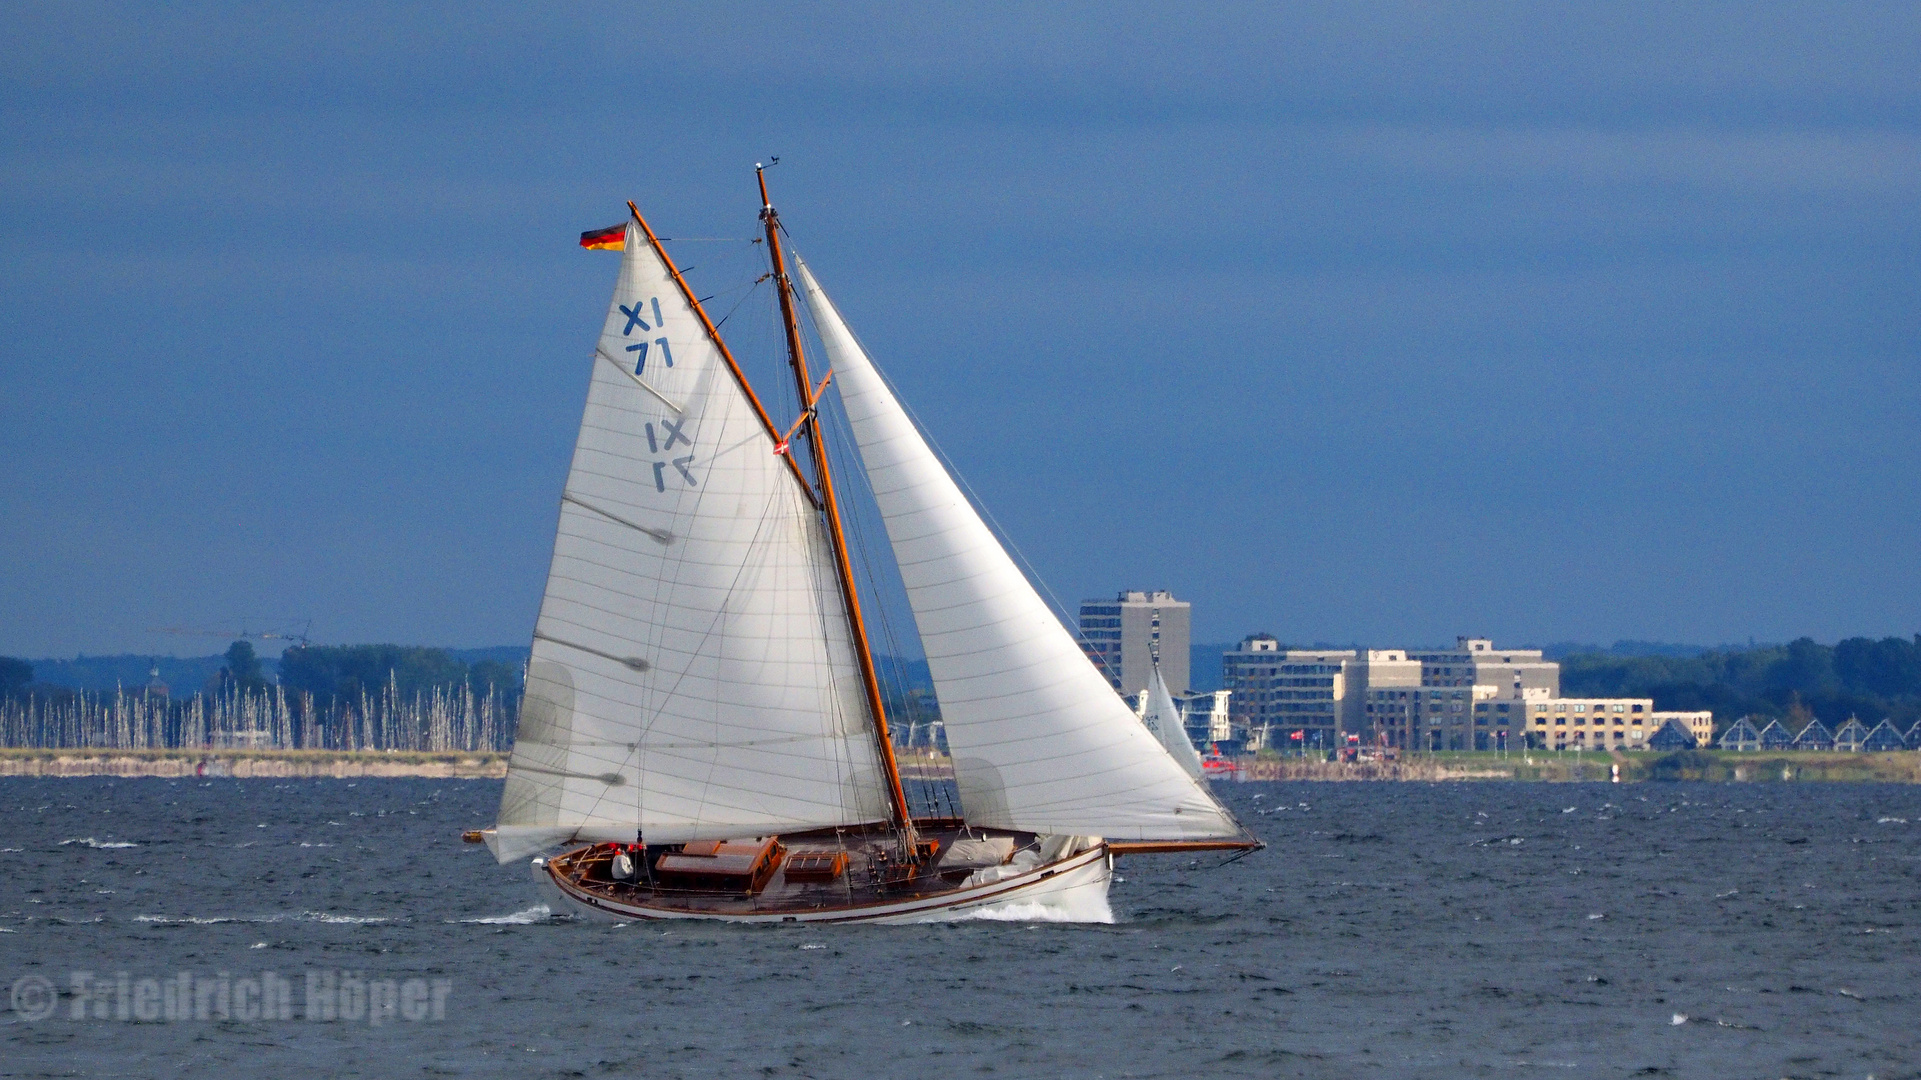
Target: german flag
x=611, y=238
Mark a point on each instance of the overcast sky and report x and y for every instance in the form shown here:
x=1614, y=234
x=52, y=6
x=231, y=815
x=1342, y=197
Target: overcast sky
x=1360, y=323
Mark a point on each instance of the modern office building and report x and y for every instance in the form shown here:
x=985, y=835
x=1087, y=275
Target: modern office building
x=1471, y=697
x=1476, y=662
x=1125, y=636
x=1278, y=692
x=1389, y=699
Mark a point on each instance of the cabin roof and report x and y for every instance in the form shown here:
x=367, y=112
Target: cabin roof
x=1885, y=736
x=1815, y=734
x=1672, y=735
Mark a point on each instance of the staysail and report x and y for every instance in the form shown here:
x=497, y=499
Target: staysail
x=1163, y=718
x=692, y=674
x=1040, y=741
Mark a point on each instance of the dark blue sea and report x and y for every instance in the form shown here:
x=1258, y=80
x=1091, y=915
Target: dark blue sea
x=157, y=928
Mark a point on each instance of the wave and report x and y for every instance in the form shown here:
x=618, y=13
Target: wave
x=539, y=913
x=215, y=920
x=186, y=920
x=343, y=920
x=92, y=843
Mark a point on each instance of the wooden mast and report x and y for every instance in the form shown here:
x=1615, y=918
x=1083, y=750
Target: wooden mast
x=830, y=509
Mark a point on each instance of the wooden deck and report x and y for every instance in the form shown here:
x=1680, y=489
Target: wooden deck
x=869, y=873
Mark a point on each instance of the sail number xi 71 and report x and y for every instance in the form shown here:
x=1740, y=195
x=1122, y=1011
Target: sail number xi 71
x=637, y=318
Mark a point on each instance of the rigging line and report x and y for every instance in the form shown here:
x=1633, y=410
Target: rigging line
x=972, y=496
x=1060, y=608
x=846, y=450
x=677, y=560
x=843, y=435
x=714, y=626
x=713, y=335
x=745, y=296
x=936, y=796
x=900, y=815
x=828, y=598
x=822, y=591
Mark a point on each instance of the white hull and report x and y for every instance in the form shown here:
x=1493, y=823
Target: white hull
x=1073, y=889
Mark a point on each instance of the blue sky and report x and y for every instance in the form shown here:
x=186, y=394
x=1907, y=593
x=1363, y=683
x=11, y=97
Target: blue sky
x=1379, y=324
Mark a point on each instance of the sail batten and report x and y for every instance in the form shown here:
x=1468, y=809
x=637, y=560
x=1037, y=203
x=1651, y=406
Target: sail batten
x=1040, y=741
x=700, y=686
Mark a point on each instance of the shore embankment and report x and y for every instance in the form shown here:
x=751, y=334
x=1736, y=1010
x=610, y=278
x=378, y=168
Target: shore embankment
x=260, y=764
x=1897, y=767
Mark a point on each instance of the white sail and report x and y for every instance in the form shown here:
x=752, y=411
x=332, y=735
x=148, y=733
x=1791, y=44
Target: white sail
x=1040, y=741
x=692, y=675
x=1162, y=718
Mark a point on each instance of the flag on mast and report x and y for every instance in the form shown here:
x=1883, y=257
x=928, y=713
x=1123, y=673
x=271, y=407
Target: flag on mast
x=611, y=238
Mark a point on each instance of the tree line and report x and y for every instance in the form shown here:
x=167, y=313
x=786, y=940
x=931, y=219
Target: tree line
x=1796, y=682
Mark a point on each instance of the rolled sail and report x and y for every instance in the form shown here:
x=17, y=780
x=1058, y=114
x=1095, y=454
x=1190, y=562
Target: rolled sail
x=692, y=673
x=1040, y=741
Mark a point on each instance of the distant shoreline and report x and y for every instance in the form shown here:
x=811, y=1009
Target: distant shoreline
x=1898, y=767
x=253, y=764
x=1892, y=767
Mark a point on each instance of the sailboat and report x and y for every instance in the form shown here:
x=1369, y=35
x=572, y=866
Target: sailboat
x=703, y=729
x=1162, y=718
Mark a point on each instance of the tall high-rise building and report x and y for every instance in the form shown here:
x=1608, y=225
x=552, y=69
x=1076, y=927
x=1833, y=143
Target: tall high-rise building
x=1125, y=636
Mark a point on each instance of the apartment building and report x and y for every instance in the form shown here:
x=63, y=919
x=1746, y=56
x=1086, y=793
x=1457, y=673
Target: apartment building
x=1127, y=635
x=1605, y=723
x=1276, y=692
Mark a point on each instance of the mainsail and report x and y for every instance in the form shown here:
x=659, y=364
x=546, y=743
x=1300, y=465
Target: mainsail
x=692, y=674
x=1163, y=718
x=1040, y=741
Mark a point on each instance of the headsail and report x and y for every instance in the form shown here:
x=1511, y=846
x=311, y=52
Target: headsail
x=692, y=672
x=1163, y=718
x=1040, y=741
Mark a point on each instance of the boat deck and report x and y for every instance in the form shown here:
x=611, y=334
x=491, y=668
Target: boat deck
x=868, y=873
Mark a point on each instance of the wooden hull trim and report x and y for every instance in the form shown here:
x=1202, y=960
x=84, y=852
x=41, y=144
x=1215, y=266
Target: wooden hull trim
x=1175, y=847
x=1077, y=883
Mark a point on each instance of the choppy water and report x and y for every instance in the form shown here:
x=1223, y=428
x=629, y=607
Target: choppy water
x=1475, y=929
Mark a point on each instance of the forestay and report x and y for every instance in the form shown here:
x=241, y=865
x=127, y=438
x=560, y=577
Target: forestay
x=1163, y=718
x=692, y=672
x=1040, y=741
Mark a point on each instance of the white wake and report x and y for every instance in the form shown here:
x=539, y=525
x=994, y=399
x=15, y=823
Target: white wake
x=539, y=913
x=1073, y=906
